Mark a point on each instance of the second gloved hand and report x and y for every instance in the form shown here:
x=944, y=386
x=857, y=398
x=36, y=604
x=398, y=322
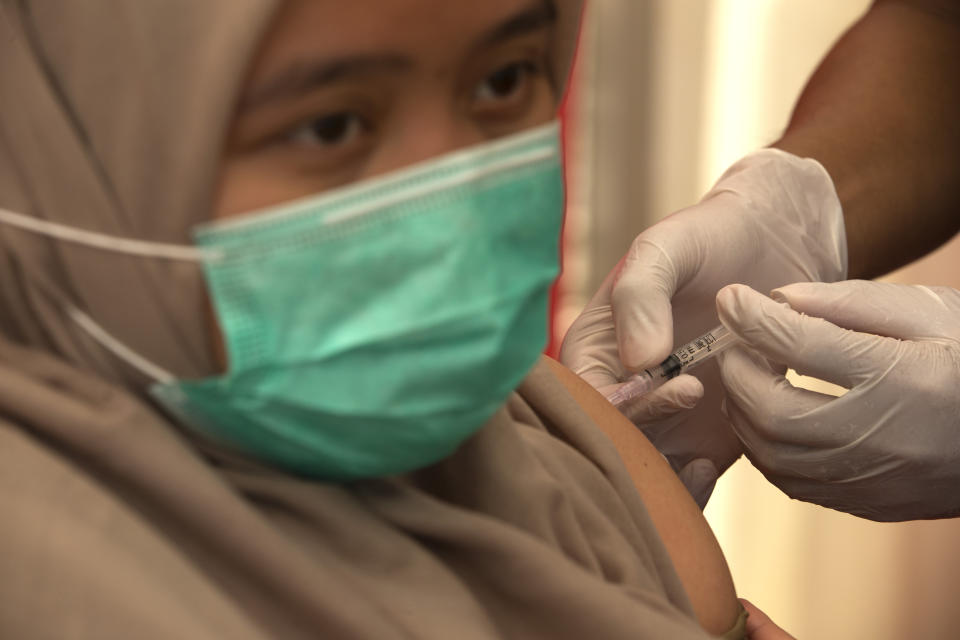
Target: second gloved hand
x=889, y=449
x=771, y=219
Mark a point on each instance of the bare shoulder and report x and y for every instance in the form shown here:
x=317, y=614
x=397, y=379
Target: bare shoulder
x=685, y=533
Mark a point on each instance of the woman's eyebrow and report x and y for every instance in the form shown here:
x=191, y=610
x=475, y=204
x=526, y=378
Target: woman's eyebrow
x=537, y=17
x=305, y=75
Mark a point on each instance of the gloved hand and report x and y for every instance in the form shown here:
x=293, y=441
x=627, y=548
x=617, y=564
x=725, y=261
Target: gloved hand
x=771, y=219
x=889, y=449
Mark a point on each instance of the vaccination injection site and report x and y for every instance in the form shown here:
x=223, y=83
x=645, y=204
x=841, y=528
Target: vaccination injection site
x=512, y=319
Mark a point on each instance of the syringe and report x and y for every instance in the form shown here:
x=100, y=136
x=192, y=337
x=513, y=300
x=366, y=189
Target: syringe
x=682, y=360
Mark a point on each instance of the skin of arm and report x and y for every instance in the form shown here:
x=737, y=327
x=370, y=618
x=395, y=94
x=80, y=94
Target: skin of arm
x=882, y=114
x=692, y=547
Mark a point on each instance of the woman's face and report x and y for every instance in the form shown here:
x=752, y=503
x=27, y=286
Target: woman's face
x=341, y=91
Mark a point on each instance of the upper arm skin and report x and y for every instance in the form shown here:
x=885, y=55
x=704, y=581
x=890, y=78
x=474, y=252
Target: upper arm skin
x=685, y=533
x=943, y=9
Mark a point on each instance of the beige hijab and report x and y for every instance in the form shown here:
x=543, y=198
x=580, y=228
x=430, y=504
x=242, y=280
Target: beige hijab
x=113, y=525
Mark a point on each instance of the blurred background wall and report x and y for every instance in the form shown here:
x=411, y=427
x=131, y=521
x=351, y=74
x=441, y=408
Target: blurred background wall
x=667, y=94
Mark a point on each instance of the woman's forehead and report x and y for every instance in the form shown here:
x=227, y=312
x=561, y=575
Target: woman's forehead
x=408, y=28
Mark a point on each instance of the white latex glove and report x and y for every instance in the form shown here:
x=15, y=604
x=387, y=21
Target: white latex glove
x=771, y=219
x=889, y=449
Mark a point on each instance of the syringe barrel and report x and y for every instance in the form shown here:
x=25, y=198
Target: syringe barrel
x=687, y=357
x=698, y=351
x=638, y=385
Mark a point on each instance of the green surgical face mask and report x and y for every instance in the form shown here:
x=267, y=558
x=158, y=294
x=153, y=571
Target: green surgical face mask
x=370, y=330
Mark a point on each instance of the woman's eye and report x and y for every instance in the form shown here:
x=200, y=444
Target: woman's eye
x=506, y=82
x=335, y=130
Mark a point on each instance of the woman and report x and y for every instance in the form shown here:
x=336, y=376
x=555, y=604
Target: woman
x=151, y=489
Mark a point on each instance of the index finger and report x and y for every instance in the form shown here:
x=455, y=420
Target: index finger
x=811, y=346
x=642, y=312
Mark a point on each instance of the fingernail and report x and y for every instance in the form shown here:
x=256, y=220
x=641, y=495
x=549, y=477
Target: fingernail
x=688, y=401
x=726, y=295
x=731, y=305
x=691, y=394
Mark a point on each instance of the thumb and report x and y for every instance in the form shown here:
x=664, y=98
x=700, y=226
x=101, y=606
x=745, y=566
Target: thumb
x=642, y=313
x=699, y=477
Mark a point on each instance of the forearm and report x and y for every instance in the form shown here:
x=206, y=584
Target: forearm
x=882, y=114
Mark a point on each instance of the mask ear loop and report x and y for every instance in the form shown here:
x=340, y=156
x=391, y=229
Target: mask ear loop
x=117, y=348
x=117, y=245
x=102, y=241
x=101, y=336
